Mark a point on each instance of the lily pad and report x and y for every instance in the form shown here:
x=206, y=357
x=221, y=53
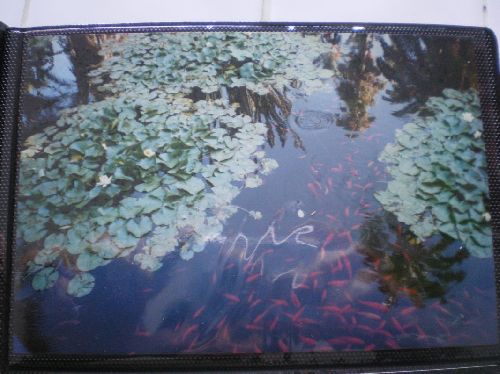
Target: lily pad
x=45, y=278
x=81, y=285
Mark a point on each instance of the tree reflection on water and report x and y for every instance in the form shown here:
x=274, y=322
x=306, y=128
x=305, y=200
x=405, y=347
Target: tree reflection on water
x=419, y=68
x=359, y=82
x=401, y=265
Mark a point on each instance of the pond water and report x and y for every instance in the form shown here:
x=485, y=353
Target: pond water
x=326, y=268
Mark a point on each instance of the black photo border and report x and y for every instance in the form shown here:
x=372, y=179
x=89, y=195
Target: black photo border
x=12, y=50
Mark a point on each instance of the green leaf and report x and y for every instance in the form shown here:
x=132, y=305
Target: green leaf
x=150, y=204
x=192, y=186
x=45, y=278
x=87, y=261
x=81, y=285
x=123, y=239
x=164, y=217
x=247, y=71
x=147, y=262
x=139, y=227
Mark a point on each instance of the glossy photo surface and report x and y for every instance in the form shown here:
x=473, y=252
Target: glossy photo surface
x=247, y=192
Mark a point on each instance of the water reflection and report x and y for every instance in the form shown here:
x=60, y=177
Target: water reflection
x=403, y=266
x=322, y=269
x=359, y=82
x=57, y=75
x=422, y=67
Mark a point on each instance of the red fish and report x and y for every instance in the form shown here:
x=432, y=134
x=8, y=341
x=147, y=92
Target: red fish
x=338, y=283
x=324, y=294
x=193, y=342
x=307, y=341
x=189, y=330
x=255, y=303
x=329, y=182
x=367, y=186
x=252, y=327
x=376, y=306
x=397, y=325
x=441, y=308
x=328, y=239
x=312, y=187
x=259, y=317
x=365, y=328
x=346, y=211
x=345, y=340
x=346, y=308
x=387, y=334
x=421, y=333
x=391, y=343
x=282, y=345
x=337, y=169
x=147, y=290
x=315, y=274
x=297, y=315
x=252, y=277
x=331, y=308
x=142, y=333
x=409, y=291
x=198, y=312
x=273, y=323
x=295, y=300
x=231, y=297
x=407, y=311
x=442, y=325
x=348, y=266
x=370, y=315
x=279, y=302
x=221, y=323
x=369, y=347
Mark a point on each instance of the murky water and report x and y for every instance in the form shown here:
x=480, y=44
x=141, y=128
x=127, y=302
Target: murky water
x=310, y=275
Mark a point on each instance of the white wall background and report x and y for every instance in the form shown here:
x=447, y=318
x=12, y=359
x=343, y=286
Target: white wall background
x=64, y=12
x=57, y=12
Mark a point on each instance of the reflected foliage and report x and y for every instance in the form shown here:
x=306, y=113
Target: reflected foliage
x=419, y=68
x=403, y=266
x=359, y=82
x=57, y=74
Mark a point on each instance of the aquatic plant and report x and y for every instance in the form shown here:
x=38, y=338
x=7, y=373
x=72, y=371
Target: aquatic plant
x=447, y=64
x=438, y=168
x=403, y=266
x=253, y=69
x=262, y=62
x=153, y=166
x=111, y=172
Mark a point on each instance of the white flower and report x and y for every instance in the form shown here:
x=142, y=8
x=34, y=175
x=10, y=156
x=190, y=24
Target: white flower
x=478, y=134
x=255, y=214
x=487, y=217
x=468, y=117
x=104, y=146
x=300, y=213
x=149, y=153
x=104, y=181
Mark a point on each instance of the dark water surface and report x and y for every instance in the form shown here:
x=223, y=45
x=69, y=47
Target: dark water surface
x=302, y=278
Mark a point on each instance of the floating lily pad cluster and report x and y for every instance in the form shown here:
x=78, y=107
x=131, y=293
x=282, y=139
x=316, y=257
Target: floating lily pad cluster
x=438, y=168
x=180, y=62
x=149, y=170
